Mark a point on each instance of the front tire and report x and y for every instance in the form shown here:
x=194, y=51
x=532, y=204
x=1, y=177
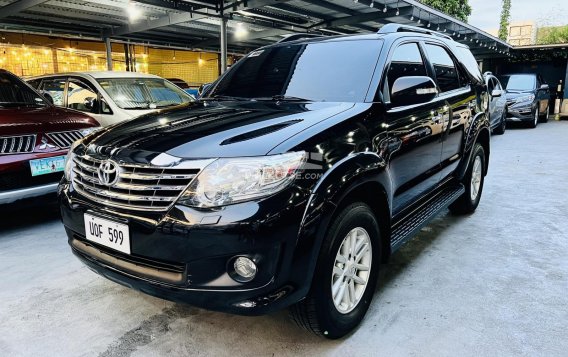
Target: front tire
x=473, y=182
x=536, y=118
x=345, y=277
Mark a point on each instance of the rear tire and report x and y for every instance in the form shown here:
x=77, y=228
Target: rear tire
x=338, y=300
x=473, y=182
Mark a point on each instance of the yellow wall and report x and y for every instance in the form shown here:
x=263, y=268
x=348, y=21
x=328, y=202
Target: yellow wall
x=32, y=55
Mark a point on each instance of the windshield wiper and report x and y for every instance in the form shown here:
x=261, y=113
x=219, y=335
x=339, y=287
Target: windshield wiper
x=283, y=98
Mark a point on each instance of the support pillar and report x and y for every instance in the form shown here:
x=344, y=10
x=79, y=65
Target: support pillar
x=108, y=47
x=223, y=36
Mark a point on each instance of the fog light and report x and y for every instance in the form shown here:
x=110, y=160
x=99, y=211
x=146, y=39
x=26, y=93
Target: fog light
x=245, y=269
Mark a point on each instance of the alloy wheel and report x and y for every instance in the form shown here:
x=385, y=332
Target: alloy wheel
x=476, y=174
x=351, y=270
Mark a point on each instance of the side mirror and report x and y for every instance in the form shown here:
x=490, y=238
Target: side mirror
x=544, y=86
x=413, y=90
x=496, y=93
x=47, y=96
x=90, y=102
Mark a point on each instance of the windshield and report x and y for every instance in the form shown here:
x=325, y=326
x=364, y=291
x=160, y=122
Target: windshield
x=15, y=93
x=338, y=71
x=519, y=82
x=143, y=93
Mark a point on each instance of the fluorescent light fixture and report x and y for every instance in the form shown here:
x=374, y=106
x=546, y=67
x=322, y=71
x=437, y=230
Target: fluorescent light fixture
x=133, y=11
x=240, y=31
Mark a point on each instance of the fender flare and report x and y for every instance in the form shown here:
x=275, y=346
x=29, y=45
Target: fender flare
x=479, y=126
x=332, y=188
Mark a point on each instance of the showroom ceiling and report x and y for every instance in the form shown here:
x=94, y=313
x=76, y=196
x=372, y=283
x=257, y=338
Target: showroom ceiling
x=252, y=23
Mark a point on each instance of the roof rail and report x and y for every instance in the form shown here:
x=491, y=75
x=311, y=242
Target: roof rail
x=391, y=28
x=299, y=36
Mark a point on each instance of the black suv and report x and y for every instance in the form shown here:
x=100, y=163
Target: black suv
x=303, y=167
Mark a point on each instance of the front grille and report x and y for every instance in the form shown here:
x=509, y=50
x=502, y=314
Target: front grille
x=139, y=187
x=65, y=139
x=17, y=144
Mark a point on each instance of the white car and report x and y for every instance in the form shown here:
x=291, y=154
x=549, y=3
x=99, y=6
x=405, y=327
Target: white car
x=110, y=97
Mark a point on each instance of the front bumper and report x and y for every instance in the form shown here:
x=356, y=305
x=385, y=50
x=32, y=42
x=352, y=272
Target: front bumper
x=29, y=192
x=521, y=112
x=177, y=257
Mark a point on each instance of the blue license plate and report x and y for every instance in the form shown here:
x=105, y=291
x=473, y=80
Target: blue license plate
x=47, y=166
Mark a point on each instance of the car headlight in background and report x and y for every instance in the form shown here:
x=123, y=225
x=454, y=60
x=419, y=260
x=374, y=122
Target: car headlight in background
x=525, y=98
x=232, y=180
x=88, y=131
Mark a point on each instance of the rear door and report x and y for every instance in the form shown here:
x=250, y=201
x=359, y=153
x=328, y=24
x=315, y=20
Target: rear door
x=457, y=94
x=415, y=131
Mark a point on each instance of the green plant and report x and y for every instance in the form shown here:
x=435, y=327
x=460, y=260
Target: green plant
x=459, y=9
x=505, y=17
x=552, y=35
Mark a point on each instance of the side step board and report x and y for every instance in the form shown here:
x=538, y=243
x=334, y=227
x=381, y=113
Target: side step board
x=406, y=227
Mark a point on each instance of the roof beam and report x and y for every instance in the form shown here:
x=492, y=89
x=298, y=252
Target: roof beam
x=177, y=18
x=170, y=19
x=375, y=16
x=19, y=6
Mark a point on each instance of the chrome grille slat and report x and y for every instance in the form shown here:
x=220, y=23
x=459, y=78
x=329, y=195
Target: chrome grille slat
x=17, y=144
x=65, y=139
x=140, y=187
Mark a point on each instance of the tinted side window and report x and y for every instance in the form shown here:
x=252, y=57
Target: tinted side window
x=34, y=83
x=497, y=84
x=55, y=88
x=446, y=72
x=490, y=85
x=406, y=61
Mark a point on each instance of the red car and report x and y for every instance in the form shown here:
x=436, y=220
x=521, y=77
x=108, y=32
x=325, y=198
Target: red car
x=34, y=139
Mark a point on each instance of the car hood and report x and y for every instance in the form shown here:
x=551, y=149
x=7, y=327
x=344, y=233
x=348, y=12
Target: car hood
x=517, y=93
x=213, y=129
x=19, y=121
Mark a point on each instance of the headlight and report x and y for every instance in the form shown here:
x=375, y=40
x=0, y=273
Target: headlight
x=227, y=181
x=69, y=164
x=525, y=98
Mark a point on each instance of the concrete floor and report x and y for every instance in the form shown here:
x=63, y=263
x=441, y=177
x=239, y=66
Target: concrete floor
x=491, y=284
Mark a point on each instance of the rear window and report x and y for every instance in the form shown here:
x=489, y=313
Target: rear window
x=469, y=62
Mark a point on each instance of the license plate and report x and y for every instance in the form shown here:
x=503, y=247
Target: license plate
x=108, y=233
x=48, y=165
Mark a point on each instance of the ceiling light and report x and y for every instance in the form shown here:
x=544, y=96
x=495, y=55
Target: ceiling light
x=133, y=11
x=241, y=31
x=372, y=4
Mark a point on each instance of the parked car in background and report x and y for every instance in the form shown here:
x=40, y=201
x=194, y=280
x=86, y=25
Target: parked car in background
x=288, y=184
x=110, y=97
x=34, y=139
x=497, y=106
x=528, y=98
x=193, y=91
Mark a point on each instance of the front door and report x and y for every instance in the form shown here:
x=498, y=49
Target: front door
x=415, y=132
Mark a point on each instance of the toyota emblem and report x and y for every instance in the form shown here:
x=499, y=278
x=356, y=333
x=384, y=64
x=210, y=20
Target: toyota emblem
x=108, y=173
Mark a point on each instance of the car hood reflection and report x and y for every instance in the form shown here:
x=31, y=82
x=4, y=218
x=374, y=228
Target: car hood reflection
x=218, y=129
